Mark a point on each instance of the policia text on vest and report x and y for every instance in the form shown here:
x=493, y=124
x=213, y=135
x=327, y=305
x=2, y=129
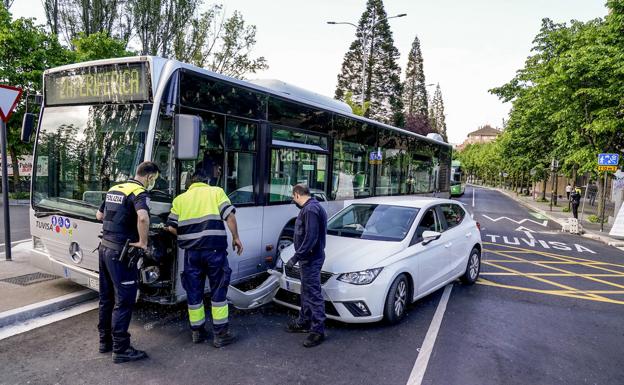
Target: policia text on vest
x=125, y=217
x=197, y=217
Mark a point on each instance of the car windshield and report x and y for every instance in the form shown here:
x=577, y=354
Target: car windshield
x=373, y=221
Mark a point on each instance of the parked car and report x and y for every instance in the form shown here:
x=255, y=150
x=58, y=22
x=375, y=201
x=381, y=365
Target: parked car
x=385, y=253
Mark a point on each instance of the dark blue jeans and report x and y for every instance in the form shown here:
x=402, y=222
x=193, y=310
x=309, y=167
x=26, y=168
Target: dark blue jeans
x=312, y=313
x=118, y=290
x=199, y=264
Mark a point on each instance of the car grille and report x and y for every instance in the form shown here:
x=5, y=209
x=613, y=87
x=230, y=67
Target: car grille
x=295, y=272
x=295, y=299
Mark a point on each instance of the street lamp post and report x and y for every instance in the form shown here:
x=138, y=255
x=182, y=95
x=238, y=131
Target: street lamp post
x=364, y=44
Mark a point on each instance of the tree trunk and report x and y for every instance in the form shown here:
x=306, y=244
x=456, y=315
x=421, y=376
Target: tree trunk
x=544, y=184
x=15, y=163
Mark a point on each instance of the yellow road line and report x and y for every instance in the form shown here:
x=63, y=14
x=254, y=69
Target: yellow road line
x=565, y=271
x=556, y=274
x=549, y=262
x=560, y=293
x=568, y=288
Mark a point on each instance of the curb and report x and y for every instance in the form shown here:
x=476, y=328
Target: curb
x=597, y=237
x=39, y=309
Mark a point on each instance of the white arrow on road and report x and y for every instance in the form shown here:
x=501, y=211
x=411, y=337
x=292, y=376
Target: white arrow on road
x=526, y=231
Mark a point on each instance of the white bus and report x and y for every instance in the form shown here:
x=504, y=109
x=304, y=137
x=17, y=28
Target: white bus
x=100, y=119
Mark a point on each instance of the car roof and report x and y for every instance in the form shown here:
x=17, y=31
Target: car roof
x=406, y=201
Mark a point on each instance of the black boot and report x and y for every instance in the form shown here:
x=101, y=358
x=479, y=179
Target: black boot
x=130, y=354
x=199, y=335
x=106, y=346
x=313, y=339
x=294, y=327
x=222, y=339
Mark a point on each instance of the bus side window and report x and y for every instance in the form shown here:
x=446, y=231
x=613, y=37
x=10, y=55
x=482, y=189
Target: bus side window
x=240, y=142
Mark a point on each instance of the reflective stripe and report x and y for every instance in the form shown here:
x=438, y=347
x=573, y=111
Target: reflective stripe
x=193, y=221
x=197, y=316
x=128, y=188
x=227, y=212
x=223, y=205
x=198, y=306
x=173, y=217
x=219, y=314
x=184, y=237
x=125, y=283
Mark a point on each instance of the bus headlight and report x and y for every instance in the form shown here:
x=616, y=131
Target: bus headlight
x=150, y=274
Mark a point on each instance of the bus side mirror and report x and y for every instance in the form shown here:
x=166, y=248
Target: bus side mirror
x=28, y=124
x=187, y=131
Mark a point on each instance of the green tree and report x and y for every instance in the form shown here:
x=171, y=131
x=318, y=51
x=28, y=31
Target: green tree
x=437, y=118
x=356, y=107
x=98, y=46
x=27, y=50
x=382, y=81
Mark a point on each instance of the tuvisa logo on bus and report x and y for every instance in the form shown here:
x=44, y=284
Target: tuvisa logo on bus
x=58, y=224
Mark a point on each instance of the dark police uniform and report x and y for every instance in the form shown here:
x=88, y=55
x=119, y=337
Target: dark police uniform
x=118, y=282
x=309, y=242
x=198, y=215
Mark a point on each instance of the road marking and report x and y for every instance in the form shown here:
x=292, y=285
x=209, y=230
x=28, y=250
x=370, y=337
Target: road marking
x=420, y=366
x=544, y=223
x=35, y=323
x=526, y=231
x=473, y=197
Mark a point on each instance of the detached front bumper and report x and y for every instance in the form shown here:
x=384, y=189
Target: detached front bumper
x=343, y=302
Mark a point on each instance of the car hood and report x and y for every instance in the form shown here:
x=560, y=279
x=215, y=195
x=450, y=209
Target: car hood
x=344, y=254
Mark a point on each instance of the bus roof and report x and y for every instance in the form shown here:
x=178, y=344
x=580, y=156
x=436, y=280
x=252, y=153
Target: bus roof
x=289, y=92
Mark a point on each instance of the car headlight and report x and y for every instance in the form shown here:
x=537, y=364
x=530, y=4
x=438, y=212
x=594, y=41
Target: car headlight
x=360, y=277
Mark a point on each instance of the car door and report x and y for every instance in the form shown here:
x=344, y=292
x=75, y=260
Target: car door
x=430, y=257
x=459, y=233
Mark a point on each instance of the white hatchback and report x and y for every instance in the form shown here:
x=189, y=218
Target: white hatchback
x=384, y=253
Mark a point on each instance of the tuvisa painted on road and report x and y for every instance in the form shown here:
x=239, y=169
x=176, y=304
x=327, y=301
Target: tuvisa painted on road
x=534, y=243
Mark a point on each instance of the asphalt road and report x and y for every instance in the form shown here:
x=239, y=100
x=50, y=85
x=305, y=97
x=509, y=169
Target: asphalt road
x=547, y=310
x=20, y=225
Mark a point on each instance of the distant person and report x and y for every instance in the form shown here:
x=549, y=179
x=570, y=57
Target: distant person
x=568, y=191
x=592, y=191
x=576, y=201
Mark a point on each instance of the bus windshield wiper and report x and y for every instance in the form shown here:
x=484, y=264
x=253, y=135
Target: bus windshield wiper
x=42, y=213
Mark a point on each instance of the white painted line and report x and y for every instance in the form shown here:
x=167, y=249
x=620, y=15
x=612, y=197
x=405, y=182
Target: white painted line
x=473, y=196
x=20, y=241
x=418, y=371
x=35, y=323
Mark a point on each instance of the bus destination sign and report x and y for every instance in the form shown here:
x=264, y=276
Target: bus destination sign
x=117, y=83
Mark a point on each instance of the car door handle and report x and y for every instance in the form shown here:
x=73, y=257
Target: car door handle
x=447, y=245
x=468, y=235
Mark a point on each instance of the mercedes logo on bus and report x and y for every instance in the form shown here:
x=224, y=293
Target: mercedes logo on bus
x=75, y=253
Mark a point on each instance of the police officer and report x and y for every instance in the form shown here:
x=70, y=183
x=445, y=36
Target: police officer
x=125, y=214
x=576, y=201
x=197, y=218
x=310, y=230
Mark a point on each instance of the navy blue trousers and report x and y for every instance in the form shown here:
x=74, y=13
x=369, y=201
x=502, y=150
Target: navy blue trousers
x=199, y=264
x=312, y=313
x=118, y=290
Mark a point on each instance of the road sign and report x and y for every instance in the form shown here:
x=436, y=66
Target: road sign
x=608, y=159
x=607, y=168
x=9, y=96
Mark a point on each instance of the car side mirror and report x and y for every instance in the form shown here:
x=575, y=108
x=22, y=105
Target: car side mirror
x=187, y=132
x=429, y=236
x=28, y=125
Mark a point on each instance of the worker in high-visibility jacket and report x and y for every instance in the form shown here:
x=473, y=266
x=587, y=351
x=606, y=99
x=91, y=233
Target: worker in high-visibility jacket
x=197, y=217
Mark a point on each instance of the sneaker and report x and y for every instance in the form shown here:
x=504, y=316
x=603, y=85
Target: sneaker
x=130, y=354
x=314, y=339
x=106, y=347
x=294, y=327
x=223, y=339
x=199, y=336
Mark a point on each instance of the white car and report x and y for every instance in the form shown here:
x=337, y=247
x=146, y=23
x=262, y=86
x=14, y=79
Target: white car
x=384, y=253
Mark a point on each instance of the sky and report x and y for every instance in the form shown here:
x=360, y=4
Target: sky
x=468, y=47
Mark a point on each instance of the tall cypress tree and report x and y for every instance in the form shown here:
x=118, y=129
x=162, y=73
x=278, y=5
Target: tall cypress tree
x=436, y=113
x=382, y=73
x=415, y=103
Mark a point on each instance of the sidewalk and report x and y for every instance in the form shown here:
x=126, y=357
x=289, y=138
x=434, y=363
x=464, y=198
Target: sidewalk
x=591, y=230
x=27, y=292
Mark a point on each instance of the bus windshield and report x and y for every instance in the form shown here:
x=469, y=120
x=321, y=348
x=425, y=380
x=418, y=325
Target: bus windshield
x=82, y=151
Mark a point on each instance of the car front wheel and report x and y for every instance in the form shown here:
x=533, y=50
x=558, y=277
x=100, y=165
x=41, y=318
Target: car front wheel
x=473, y=268
x=397, y=300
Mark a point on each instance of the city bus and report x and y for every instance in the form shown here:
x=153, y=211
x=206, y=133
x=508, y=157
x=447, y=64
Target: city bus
x=100, y=119
x=457, y=186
